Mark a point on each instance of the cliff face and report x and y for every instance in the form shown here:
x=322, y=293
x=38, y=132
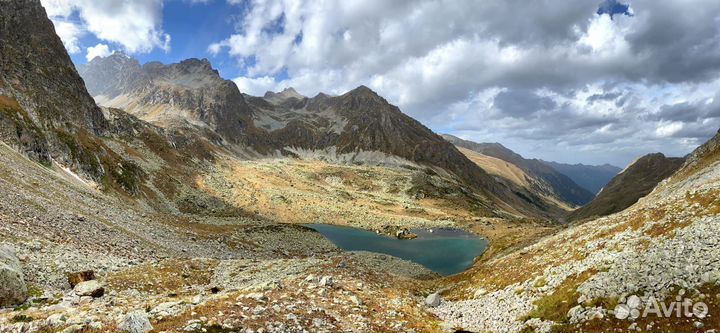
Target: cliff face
x=43, y=101
x=189, y=94
x=36, y=70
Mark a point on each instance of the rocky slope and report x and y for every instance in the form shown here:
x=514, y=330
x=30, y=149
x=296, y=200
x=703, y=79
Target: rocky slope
x=363, y=127
x=633, y=183
x=658, y=253
x=356, y=127
x=176, y=233
x=125, y=225
x=591, y=177
x=189, y=94
x=45, y=111
x=544, y=179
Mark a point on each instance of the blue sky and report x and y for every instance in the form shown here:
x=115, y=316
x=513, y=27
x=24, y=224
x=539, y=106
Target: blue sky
x=192, y=27
x=589, y=81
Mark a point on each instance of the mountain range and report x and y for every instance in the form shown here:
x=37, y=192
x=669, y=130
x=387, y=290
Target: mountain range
x=546, y=179
x=356, y=127
x=159, y=197
x=591, y=177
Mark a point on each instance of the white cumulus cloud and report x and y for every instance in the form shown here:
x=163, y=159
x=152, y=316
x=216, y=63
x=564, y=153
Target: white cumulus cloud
x=70, y=34
x=99, y=50
x=135, y=25
x=256, y=86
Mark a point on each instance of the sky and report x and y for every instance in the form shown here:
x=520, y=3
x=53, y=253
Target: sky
x=574, y=81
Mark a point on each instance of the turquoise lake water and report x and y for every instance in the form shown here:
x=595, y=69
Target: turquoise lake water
x=445, y=251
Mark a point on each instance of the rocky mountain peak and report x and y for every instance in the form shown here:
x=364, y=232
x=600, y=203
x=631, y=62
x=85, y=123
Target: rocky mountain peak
x=364, y=99
x=104, y=75
x=290, y=91
x=286, y=94
x=193, y=64
x=36, y=70
x=188, y=93
x=365, y=93
x=116, y=57
x=117, y=60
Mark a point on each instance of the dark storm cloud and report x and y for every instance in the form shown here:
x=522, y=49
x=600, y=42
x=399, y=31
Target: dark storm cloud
x=678, y=40
x=520, y=103
x=684, y=112
x=688, y=112
x=542, y=22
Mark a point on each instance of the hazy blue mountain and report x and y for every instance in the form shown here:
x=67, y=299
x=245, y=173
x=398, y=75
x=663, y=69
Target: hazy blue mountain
x=591, y=177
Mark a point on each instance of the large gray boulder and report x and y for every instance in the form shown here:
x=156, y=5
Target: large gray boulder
x=89, y=288
x=433, y=300
x=13, y=290
x=135, y=322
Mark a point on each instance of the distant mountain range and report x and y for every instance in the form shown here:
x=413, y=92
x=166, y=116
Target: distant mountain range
x=633, y=183
x=541, y=177
x=619, y=188
x=591, y=177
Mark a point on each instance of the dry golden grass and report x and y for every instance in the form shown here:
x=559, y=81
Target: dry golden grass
x=8, y=102
x=170, y=276
x=298, y=191
x=708, y=200
x=497, y=167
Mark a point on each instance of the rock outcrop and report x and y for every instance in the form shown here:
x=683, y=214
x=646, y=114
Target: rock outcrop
x=91, y=288
x=135, y=322
x=13, y=290
x=39, y=87
x=189, y=94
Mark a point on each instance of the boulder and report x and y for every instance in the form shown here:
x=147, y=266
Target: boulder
x=89, y=288
x=135, y=322
x=167, y=309
x=13, y=289
x=432, y=300
x=479, y=293
x=633, y=302
x=55, y=320
x=77, y=277
x=326, y=281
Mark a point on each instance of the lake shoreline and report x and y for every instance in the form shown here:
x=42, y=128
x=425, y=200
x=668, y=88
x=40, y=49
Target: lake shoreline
x=446, y=251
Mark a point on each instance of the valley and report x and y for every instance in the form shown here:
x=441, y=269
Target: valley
x=161, y=198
